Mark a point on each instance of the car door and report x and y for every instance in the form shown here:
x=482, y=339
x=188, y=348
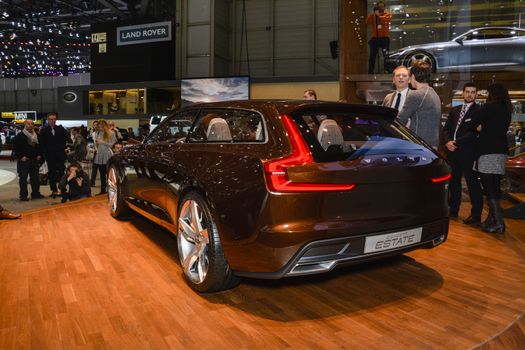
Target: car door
x=472, y=50
x=222, y=159
x=501, y=48
x=165, y=162
x=144, y=178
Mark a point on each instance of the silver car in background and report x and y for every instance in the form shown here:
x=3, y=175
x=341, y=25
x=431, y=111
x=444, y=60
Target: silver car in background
x=480, y=49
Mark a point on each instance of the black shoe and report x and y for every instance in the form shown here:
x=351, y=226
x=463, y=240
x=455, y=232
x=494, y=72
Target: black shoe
x=24, y=199
x=496, y=228
x=498, y=225
x=53, y=195
x=36, y=196
x=472, y=221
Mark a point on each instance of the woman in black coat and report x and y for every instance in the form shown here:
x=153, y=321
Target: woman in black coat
x=494, y=119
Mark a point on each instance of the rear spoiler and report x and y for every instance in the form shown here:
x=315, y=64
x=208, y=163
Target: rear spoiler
x=364, y=110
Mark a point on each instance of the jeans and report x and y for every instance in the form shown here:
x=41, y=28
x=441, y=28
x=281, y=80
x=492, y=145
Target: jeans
x=375, y=45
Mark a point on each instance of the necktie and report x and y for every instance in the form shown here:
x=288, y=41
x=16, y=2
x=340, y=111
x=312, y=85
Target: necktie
x=464, y=110
x=398, y=100
x=53, y=131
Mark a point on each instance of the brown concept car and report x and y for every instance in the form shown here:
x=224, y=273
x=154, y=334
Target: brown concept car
x=270, y=189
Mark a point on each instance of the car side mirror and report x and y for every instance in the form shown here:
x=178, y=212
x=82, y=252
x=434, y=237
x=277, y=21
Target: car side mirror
x=460, y=41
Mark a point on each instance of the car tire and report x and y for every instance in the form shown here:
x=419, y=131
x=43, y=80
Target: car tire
x=418, y=56
x=199, y=245
x=117, y=205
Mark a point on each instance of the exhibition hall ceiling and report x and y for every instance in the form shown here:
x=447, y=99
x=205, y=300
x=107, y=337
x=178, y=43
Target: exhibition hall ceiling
x=39, y=38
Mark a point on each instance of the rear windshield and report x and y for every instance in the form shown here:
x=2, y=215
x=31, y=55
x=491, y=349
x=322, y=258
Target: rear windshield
x=344, y=136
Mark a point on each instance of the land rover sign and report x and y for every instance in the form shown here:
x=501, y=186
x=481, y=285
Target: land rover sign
x=144, y=33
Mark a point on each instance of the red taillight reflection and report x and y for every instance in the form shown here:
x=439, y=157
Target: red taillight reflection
x=276, y=170
x=442, y=178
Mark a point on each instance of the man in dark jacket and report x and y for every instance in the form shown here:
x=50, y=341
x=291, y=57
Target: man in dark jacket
x=461, y=142
x=28, y=154
x=53, y=139
x=75, y=183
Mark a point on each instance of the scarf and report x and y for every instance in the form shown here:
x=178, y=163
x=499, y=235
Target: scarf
x=32, y=137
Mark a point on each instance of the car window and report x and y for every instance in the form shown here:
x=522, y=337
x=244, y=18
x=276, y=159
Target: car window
x=228, y=125
x=476, y=35
x=347, y=136
x=173, y=129
x=495, y=33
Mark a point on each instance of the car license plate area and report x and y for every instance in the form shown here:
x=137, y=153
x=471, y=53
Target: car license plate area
x=392, y=240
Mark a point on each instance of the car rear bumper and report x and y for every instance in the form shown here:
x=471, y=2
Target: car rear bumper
x=323, y=255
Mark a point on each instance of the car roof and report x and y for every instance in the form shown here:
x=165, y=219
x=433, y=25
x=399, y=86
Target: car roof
x=292, y=106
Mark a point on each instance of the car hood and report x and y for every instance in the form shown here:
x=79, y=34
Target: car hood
x=427, y=47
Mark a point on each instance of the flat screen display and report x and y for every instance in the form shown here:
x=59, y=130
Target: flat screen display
x=214, y=89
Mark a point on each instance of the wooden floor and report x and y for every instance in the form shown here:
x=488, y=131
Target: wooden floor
x=72, y=277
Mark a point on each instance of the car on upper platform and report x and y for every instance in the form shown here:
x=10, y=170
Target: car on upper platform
x=272, y=189
x=480, y=49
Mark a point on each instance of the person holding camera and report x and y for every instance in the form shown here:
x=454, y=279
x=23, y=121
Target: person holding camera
x=74, y=184
x=380, y=21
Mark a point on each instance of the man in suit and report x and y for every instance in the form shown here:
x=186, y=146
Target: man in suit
x=460, y=142
x=400, y=80
x=422, y=106
x=53, y=139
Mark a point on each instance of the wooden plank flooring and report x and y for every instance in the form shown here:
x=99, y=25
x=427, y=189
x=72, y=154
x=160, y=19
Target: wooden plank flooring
x=71, y=277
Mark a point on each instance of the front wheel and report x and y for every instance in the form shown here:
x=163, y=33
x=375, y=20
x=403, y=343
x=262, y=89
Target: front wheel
x=117, y=205
x=200, y=251
x=421, y=56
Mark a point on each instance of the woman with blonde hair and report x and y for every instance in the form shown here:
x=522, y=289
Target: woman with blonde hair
x=104, y=139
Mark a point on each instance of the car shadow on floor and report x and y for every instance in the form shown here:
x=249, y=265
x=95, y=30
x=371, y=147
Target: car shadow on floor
x=346, y=290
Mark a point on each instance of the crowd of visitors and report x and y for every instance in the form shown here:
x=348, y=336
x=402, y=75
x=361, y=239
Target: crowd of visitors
x=53, y=148
x=476, y=140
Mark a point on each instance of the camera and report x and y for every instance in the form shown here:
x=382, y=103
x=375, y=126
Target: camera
x=378, y=8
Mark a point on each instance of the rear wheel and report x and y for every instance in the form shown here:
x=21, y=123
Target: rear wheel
x=200, y=251
x=117, y=205
x=421, y=56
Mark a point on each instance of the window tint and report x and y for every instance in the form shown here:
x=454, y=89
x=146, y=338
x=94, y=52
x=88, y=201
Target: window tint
x=228, y=126
x=348, y=136
x=174, y=129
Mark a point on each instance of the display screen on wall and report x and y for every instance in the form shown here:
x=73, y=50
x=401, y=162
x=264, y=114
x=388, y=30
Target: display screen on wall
x=214, y=89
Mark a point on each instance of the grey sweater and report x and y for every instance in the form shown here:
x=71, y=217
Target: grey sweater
x=423, y=108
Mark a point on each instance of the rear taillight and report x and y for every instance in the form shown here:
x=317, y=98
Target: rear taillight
x=277, y=170
x=441, y=179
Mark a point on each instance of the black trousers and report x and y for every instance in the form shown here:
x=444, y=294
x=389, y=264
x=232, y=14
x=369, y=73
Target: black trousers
x=28, y=168
x=463, y=167
x=376, y=44
x=102, y=168
x=56, y=169
x=94, y=170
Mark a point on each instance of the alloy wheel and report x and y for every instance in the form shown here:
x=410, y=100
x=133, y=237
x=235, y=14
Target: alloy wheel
x=420, y=56
x=193, y=241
